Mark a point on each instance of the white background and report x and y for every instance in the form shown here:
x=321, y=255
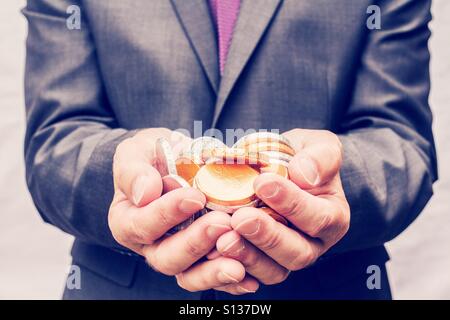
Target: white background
x=34, y=257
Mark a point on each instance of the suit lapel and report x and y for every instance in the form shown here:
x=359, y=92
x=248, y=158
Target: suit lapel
x=254, y=17
x=196, y=20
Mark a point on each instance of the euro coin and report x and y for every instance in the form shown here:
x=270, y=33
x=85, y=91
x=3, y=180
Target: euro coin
x=228, y=185
x=234, y=156
x=271, y=146
x=230, y=209
x=187, y=168
x=274, y=215
x=259, y=137
x=204, y=143
x=164, y=160
x=280, y=162
x=275, y=155
x=277, y=168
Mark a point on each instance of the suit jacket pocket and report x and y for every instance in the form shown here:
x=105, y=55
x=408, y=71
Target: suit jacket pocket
x=105, y=262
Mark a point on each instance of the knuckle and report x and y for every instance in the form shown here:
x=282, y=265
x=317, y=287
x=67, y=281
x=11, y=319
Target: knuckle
x=164, y=269
x=123, y=147
x=119, y=236
x=338, y=154
x=161, y=265
x=292, y=206
x=333, y=139
x=344, y=221
x=116, y=231
x=182, y=283
x=329, y=135
x=166, y=219
x=194, y=249
x=137, y=233
x=297, y=132
x=325, y=224
x=302, y=259
x=271, y=241
x=251, y=260
x=277, y=277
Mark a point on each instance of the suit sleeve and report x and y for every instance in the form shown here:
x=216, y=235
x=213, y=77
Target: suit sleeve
x=71, y=130
x=389, y=155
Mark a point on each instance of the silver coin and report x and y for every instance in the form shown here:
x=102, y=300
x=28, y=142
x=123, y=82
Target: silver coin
x=279, y=161
x=204, y=143
x=230, y=209
x=186, y=223
x=234, y=156
x=164, y=159
x=263, y=136
x=275, y=155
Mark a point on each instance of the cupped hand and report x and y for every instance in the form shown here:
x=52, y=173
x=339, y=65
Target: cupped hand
x=140, y=216
x=313, y=201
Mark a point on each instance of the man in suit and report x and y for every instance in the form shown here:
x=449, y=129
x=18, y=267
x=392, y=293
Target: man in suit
x=353, y=101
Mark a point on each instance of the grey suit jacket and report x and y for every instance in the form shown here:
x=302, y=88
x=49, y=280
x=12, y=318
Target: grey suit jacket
x=292, y=64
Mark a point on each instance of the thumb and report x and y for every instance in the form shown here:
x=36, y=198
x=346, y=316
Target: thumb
x=317, y=161
x=133, y=172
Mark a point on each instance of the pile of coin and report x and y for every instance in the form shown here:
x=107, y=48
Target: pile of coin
x=224, y=175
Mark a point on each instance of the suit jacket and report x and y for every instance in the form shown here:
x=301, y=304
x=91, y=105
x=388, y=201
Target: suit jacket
x=292, y=64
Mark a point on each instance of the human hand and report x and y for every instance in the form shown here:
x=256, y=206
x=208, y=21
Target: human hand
x=140, y=216
x=313, y=201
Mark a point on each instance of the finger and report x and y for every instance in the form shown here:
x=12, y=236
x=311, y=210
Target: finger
x=318, y=157
x=284, y=245
x=318, y=217
x=147, y=224
x=133, y=173
x=256, y=262
x=213, y=254
x=178, y=252
x=248, y=285
x=211, y=274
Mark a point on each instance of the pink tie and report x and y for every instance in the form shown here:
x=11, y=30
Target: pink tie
x=225, y=13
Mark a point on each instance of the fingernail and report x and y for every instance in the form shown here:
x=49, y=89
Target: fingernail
x=268, y=190
x=216, y=230
x=234, y=248
x=138, y=189
x=190, y=205
x=245, y=290
x=308, y=169
x=226, y=278
x=248, y=227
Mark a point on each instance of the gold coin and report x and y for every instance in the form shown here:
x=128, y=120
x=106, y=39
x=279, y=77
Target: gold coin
x=187, y=168
x=234, y=156
x=275, y=155
x=228, y=185
x=277, y=168
x=271, y=146
x=258, y=137
x=274, y=215
x=230, y=209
